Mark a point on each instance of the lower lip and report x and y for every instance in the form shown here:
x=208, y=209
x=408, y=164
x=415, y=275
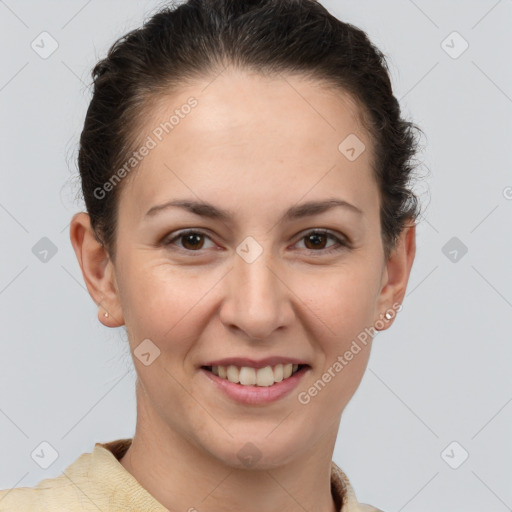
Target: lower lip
x=254, y=395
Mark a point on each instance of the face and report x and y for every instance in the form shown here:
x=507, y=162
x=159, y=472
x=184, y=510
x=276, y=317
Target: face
x=269, y=278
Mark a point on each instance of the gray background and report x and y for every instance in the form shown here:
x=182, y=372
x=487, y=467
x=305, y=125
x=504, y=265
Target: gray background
x=440, y=374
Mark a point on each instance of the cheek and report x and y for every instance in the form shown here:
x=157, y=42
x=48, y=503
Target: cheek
x=339, y=314
x=166, y=304
x=334, y=388
x=340, y=302
x=340, y=308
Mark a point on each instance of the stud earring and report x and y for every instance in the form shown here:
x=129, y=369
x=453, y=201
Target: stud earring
x=105, y=314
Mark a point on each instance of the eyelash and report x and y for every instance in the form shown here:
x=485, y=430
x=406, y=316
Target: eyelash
x=342, y=245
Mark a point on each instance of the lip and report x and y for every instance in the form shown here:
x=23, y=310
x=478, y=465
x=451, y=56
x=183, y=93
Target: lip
x=254, y=363
x=256, y=395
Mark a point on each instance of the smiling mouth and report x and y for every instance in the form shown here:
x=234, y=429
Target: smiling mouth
x=264, y=377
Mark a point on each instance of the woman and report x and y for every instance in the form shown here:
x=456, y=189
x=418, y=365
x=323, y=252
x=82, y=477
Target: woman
x=246, y=174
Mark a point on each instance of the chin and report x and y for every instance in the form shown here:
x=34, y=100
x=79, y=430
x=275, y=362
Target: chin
x=259, y=452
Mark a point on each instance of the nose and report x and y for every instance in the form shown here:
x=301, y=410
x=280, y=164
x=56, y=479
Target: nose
x=257, y=300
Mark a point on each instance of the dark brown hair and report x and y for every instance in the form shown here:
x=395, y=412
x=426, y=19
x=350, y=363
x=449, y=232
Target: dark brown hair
x=199, y=38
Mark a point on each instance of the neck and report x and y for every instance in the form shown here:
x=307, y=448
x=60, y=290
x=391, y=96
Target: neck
x=182, y=476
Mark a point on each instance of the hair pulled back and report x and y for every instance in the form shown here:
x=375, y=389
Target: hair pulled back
x=199, y=38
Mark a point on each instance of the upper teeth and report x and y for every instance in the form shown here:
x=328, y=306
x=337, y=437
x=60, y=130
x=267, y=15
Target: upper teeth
x=255, y=376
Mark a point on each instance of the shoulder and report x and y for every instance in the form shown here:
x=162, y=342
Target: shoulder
x=21, y=499
x=94, y=481
x=47, y=495
x=27, y=499
x=71, y=489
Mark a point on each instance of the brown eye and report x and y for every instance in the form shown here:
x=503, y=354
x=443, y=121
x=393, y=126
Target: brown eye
x=316, y=240
x=191, y=241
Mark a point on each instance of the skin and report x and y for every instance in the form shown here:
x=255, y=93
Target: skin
x=256, y=146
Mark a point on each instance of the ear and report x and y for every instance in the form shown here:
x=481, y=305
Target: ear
x=97, y=270
x=396, y=276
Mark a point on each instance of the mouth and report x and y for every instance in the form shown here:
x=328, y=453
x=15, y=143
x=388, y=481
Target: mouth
x=259, y=377
x=261, y=384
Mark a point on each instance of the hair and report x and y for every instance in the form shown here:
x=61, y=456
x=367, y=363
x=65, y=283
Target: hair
x=198, y=39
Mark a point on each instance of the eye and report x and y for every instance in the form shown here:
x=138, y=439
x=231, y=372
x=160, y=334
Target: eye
x=191, y=240
x=315, y=241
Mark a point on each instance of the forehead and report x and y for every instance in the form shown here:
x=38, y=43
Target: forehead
x=250, y=131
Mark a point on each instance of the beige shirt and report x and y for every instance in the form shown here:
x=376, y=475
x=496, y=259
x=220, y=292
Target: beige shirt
x=98, y=482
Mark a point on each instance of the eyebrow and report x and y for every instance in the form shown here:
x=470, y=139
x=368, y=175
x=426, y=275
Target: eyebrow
x=205, y=209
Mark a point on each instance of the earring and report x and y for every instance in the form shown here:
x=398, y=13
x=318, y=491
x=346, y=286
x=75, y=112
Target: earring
x=105, y=314
x=388, y=316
